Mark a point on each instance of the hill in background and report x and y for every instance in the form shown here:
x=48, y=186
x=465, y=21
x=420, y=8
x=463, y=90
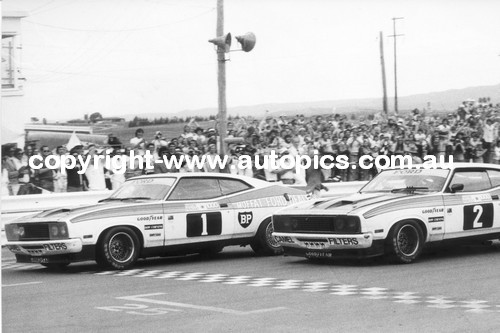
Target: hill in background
x=443, y=100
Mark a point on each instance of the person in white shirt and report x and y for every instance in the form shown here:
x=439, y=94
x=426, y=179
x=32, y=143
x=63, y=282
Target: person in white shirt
x=138, y=142
x=95, y=171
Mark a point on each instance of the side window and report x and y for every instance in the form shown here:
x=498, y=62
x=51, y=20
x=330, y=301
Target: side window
x=473, y=180
x=229, y=186
x=494, y=177
x=195, y=189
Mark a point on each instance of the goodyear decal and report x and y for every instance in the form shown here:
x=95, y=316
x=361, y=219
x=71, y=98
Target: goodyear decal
x=202, y=206
x=275, y=201
x=150, y=218
x=436, y=219
x=432, y=210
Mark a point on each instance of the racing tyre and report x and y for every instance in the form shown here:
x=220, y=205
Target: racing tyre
x=264, y=243
x=56, y=266
x=405, y=242
x=118, y=248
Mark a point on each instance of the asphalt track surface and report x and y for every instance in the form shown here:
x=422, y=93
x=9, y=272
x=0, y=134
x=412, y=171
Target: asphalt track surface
x=451, y=290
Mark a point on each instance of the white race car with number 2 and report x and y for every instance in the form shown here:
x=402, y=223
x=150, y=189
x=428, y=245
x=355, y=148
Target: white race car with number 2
x=397, y=213
x=155, y=215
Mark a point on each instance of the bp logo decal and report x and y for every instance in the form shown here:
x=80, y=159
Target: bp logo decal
x=245, y=218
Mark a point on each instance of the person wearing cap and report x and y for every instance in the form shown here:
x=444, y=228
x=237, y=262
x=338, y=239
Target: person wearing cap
x=159, y=141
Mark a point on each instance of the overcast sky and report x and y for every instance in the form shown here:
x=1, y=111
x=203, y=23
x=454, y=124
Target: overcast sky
x=134, y=56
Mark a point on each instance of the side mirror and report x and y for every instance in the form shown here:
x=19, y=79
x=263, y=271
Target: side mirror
x=457, y=187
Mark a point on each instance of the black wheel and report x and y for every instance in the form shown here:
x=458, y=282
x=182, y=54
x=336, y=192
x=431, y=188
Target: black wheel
x=118, y=248
x=56, y=266
x=405, y=242
x=264, y=243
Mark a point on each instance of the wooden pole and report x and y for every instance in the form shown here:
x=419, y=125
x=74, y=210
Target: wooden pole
x=382, y=62
x=395, y=36
x=221, y=79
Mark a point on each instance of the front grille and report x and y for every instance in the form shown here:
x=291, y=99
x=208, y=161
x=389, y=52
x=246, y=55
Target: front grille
x=316, y=224
x=35, y=231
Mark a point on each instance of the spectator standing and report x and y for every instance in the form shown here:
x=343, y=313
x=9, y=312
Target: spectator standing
x=45, y=175
x=95, y=171
x=138, y=141
x=76, y=182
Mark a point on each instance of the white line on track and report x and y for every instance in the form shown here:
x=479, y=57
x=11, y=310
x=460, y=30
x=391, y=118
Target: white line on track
x=21, y=284
x=142, y=298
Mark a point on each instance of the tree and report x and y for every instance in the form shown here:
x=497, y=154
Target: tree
x=95, y=117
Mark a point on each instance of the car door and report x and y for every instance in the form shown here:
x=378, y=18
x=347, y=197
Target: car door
x=494, y=176
x=470, y=211
x=196, y=212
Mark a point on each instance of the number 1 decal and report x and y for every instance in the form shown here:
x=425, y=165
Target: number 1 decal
x=205, y=224
x=478, y=216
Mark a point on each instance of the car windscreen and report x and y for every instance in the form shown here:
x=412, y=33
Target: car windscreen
x=144, y=188
x=401, y=180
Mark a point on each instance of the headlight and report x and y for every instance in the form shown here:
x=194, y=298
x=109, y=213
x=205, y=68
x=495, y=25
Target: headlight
x=347, y=224
x=58, y=230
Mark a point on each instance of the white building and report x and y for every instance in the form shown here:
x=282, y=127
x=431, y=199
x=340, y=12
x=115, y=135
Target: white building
x=12, y=78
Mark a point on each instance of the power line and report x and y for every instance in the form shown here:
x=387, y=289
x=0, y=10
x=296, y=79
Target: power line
x=118, y=30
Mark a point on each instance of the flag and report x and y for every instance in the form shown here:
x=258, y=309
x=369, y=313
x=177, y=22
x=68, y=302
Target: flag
x=73, y=141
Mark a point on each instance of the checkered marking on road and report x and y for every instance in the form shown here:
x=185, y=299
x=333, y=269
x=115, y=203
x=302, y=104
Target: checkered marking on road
x=20, y=266
x=373, y=293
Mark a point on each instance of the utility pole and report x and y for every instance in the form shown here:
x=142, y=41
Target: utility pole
x=382, y=62
x=395, y=36
x=221, y=79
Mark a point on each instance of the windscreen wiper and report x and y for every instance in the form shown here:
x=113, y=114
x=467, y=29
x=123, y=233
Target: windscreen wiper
x=409, y=189
x=123, y=199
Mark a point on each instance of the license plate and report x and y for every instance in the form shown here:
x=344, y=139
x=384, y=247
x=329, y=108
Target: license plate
x=39, y=260
x=315, y=245
x=312, y=254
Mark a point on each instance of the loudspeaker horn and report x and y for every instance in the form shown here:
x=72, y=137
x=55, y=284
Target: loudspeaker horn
x=247, y=41
x=223, y=42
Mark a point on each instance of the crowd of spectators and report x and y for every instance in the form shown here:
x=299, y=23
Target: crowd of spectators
x=470, y=134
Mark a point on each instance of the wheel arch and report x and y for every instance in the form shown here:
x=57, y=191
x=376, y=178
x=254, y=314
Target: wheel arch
x=134, y=229
x=421, y=224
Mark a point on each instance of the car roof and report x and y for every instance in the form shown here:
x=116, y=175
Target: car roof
x=252, y=181
x=455, y=165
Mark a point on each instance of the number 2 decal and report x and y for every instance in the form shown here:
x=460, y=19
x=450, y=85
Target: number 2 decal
x=478, y=216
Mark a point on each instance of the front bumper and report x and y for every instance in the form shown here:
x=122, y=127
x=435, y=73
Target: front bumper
x=45, y=248
x=329, y=245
